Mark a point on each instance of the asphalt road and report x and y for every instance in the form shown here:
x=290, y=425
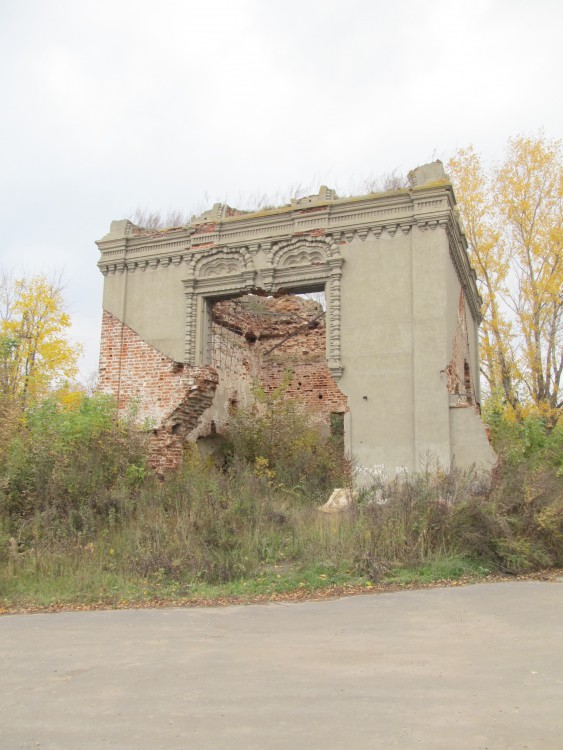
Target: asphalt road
x=475, y=667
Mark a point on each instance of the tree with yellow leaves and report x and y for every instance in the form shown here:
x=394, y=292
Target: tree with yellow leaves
x=35, y=352
x=513, y=222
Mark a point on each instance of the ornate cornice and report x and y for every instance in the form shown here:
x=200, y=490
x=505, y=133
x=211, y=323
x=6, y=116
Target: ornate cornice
x=366, y=216
x=300, y=263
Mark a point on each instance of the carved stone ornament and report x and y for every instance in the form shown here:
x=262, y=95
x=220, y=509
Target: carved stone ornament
x=298, y=263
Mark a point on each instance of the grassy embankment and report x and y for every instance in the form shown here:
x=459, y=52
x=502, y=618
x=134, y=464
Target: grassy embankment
x=83, y=521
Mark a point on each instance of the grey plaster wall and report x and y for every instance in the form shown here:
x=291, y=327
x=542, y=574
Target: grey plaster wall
x=377, y=340
x=152, y=303
x=431, y=421
x=470, y=446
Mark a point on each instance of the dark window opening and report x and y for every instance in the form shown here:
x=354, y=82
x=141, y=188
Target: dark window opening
x=467, y=383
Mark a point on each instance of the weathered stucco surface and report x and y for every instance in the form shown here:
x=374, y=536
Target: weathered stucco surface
x=396, y=352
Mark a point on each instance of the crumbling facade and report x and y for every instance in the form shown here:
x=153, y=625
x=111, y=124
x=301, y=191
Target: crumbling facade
x=195, y=315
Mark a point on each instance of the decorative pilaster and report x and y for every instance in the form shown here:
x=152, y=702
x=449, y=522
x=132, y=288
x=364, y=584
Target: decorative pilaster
x=191, y=321
x=333, y=339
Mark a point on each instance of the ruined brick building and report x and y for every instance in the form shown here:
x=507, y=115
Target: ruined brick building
x=194, y=315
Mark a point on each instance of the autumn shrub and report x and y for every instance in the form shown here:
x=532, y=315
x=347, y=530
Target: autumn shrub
x=532, y=440
x=288, y=442
x=528, y=492
x=512, y=524
x=416, y=518
x=67, y=471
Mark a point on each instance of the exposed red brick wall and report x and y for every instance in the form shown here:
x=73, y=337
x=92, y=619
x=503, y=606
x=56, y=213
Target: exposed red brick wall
x=164, y=396
x=167, y=441
x=280, y=334
x=266, y=317
x=237, y=374
x=459, y=369
x=312, y=384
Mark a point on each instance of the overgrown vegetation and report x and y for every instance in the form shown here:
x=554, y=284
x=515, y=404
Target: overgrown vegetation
x=285, y=444
x=83, y=520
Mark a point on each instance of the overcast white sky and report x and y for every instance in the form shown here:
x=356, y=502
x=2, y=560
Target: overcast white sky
x=111, y=105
